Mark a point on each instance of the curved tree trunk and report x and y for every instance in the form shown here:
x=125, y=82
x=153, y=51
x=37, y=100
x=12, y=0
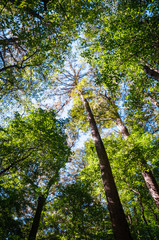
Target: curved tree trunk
x=118, y=219
x=147, y=174
x=36, y=220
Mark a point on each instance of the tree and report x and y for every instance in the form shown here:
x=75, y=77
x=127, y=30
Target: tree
x=116, y=49
x=75, y=214
x=34, y=149
x=104, y=102
x=101, y=103
x=35, y=36
x=126, y=22
x=120, y=41
x=139, y=207
x=122, y=67
x=147, y=173
x=72, y=85
x=119, y=223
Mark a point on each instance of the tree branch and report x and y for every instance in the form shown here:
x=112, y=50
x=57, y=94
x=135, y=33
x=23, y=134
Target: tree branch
x=15, y=162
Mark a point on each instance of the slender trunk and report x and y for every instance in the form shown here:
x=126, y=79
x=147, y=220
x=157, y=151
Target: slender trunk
x=118, y=219
x=36, y=220
x=152, y=185
x=137, y=221
x=144, y=218
x=151, y=72
x=147, y=174
x=41, y=204
x=122, y=128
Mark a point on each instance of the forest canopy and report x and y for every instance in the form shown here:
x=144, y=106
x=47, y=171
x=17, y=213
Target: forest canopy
x=79, y=119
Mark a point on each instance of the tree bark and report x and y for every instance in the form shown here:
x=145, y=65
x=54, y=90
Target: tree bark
x=122, y=128
x=147, y=174
x=152, y=185
x=151, y=72
x=118, y=219
x=36, y=220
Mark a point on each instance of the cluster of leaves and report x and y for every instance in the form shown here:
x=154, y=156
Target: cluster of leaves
x=34, y=38
x=76, y=214
x=125, y=50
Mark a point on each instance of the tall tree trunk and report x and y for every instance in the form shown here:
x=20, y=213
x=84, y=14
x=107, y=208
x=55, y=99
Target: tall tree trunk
x=147, y=174
x=36, y=220
x=151, y=72
x=122, y=128
x=152, y=185
x=118, y=219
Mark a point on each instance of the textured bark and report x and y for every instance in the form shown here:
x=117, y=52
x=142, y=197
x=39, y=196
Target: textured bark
x=118, y=219
x=152, y=185
x=118, y=121
x=36, y=220
x=123, y=129
x=151, y=72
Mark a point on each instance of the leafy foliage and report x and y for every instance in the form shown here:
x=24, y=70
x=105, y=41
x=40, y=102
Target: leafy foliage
x=76, y=214
x=125, y=158
x=119, y=40
x=34, y=149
